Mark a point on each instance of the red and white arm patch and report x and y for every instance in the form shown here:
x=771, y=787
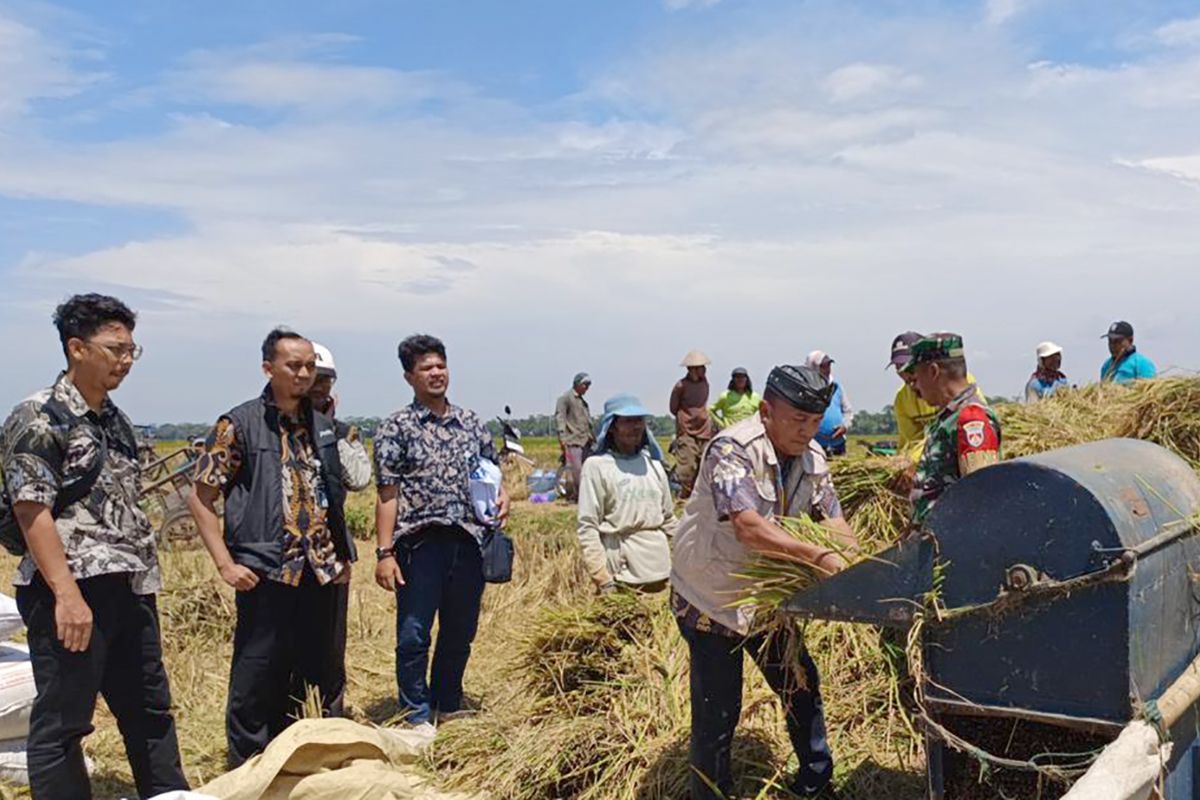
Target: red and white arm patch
x=978, y=440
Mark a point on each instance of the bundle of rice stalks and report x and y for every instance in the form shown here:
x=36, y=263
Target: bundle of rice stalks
x=597, y=701
x=578, y=655
x=1165, y=411
x=873, y=498
x=773, y=578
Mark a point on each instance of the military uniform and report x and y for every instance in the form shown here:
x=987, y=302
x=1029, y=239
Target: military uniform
x=962, y=438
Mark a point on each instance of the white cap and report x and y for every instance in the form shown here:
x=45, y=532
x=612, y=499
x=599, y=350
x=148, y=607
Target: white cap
x=1047, y=349
x=818, y=358
x=325, y=365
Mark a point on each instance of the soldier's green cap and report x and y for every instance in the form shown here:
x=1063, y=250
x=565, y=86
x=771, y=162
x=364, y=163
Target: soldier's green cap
x=935, y=347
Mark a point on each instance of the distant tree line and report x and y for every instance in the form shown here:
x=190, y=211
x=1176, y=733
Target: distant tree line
x=874, y=423
x=866, y=423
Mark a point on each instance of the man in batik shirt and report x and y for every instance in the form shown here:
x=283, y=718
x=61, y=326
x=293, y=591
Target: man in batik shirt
x=964, y=436
x=427, y=533
x=86, y=585
x=760, y=469
x=285, y=547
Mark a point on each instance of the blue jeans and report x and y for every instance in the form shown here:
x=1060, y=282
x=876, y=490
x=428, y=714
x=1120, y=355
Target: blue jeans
x=443, y=578
x=716, y=692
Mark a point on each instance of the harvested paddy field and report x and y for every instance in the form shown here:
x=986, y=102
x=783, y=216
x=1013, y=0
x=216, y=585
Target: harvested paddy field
x=588, y=699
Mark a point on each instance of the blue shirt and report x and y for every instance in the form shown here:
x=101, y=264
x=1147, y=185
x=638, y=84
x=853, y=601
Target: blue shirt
x=1132, y=366
x=1039, y=388
x=834, y=418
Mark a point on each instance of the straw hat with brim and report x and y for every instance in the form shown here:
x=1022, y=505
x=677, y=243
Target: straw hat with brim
x=624, y=405
x=695, y=359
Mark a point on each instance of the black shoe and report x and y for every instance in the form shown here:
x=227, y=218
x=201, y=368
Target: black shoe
x=828, y=793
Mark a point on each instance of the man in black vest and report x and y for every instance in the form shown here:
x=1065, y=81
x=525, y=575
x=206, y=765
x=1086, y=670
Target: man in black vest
x=285, y=547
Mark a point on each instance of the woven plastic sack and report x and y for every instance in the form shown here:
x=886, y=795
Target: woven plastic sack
x=334, y=759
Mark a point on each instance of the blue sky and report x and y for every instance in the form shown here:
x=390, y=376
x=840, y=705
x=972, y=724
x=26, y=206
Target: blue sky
x=554, y=186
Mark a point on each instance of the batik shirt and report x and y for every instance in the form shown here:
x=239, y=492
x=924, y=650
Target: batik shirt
x=106, y=532
x=963, y=437
x=306, y=539
x=729, y=470
x=429, y=459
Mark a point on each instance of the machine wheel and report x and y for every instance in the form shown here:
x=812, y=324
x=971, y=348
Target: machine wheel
x=178, y=527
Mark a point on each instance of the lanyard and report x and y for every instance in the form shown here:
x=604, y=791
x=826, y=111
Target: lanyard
x=781, y=491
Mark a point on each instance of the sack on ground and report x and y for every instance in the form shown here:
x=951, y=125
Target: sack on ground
x=10, y=618
x=17, y=691
x=334, y=759
x=14, y=762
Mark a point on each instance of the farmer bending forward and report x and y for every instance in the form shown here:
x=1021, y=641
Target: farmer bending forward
x=761, y=468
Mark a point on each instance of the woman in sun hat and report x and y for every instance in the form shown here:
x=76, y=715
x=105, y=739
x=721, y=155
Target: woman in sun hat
x=626, y=513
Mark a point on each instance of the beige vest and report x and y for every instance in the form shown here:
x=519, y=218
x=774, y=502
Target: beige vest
x=707, y=553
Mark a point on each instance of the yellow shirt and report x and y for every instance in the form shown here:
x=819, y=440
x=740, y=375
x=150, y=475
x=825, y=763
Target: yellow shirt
x=913, y=416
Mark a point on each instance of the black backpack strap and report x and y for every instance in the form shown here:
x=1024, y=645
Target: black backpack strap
x=80, y=488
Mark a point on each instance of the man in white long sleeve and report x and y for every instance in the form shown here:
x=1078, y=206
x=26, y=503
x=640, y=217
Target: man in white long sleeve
x=626, y=513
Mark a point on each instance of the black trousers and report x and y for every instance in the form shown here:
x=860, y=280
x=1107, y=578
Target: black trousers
x=716, y=690
x=124, y=663
x=287, y=638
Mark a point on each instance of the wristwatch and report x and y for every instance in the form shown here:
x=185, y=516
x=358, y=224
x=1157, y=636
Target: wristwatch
x=383, y=552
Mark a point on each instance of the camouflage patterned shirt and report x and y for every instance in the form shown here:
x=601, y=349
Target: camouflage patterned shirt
x=963, y=437
x=106, y=532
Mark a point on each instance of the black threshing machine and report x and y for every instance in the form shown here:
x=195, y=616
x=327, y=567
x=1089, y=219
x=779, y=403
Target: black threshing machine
x=1068, y=585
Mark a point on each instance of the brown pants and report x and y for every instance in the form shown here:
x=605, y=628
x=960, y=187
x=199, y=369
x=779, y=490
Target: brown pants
x=687, y=450
x=573, y=458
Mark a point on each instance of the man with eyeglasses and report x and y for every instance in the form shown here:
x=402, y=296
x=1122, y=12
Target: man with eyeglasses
x=285, y=547
x=87, y=580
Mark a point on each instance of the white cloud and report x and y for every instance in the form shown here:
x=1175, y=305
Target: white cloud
x=998, y=12
x=1186, y=167
x=808, y=184
x=298, y=74
x=679, y=5
x=34, y=68
x=1180, y=32
x=855, y=81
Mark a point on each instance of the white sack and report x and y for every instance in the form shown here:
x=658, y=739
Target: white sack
x=10, y=619
x=17, y=691
x=1127, y=769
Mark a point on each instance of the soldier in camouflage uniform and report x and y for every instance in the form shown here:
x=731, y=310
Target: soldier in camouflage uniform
x=965, y=434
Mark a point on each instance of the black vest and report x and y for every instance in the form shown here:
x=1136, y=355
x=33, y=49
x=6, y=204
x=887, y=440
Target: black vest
x=254, y=496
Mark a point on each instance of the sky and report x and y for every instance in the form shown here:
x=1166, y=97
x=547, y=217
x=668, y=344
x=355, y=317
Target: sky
x=596, y=185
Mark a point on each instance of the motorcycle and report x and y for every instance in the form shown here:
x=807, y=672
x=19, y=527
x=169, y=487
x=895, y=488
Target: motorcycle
x=514, y=463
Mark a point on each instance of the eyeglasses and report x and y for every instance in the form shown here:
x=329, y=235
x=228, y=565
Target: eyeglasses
x=120, y=351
